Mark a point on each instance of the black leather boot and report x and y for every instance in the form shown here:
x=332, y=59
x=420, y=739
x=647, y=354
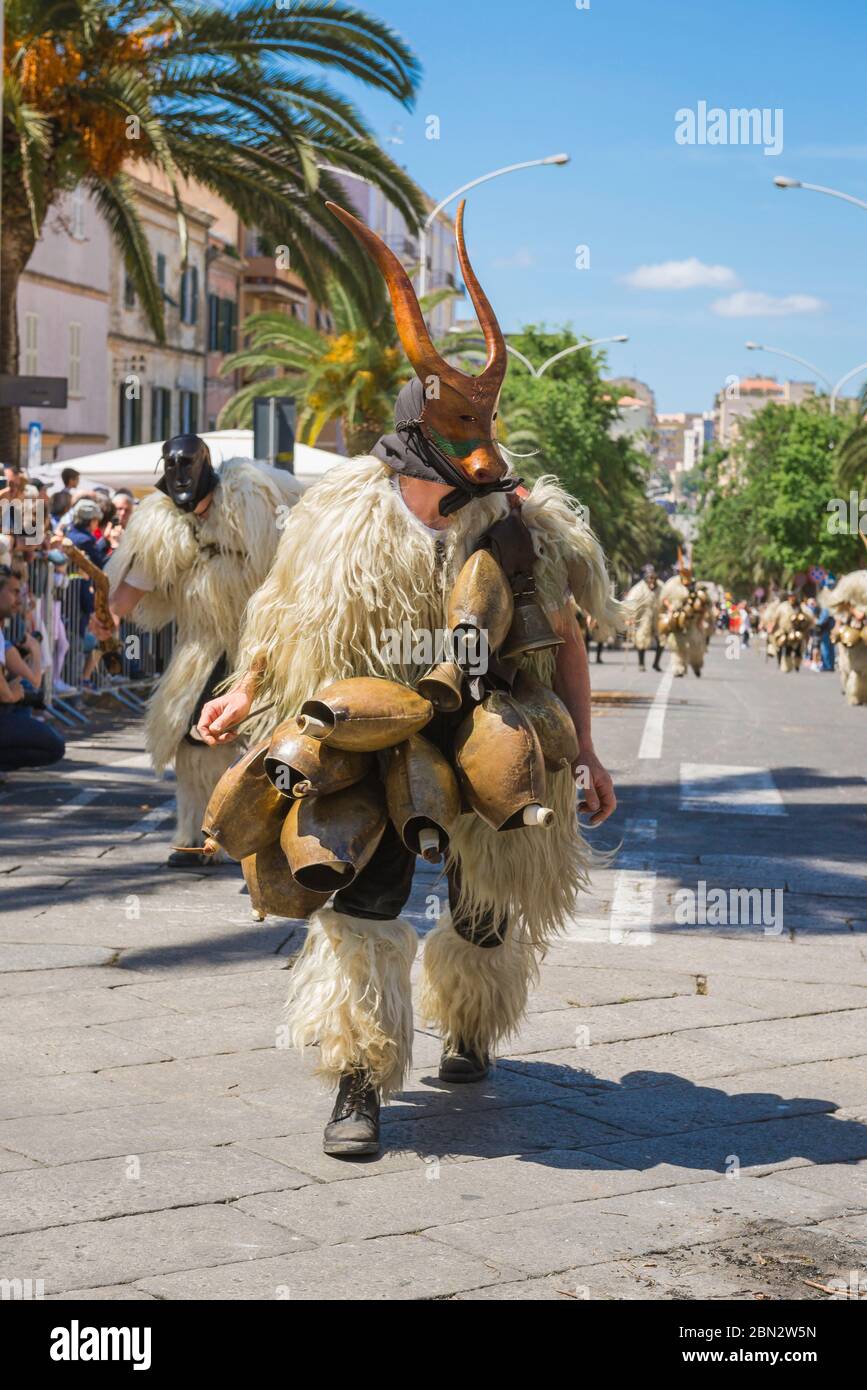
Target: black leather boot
x=460, y=1064
x=353, y=1129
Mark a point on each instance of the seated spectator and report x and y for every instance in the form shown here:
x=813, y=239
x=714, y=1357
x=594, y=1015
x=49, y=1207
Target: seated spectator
x=24, y=740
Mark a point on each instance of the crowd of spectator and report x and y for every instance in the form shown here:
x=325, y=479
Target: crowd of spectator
x=34, y=523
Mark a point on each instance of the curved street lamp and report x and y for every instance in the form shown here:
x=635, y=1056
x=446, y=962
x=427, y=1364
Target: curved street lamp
x=782, y=182
x=575, y=347
x=835, y=390
x=483, y=178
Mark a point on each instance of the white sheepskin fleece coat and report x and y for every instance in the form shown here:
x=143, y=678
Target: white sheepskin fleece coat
x=687, y=645
x=646, y=603
x=353, y=566
x=851, y=593
x=203, y=572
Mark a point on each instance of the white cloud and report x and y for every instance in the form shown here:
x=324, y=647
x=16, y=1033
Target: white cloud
x=521, y=259
x=691, y=274
x=755, y=304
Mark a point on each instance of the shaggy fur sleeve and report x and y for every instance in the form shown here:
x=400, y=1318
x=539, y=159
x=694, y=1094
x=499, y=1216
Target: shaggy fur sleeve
x=569, y=557
x=158, y=542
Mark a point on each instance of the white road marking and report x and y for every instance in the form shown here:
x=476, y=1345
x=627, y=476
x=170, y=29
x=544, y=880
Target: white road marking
x=154, y=817
x=640, y=828
x=733, y=791
x=651, y=739
x=631, y=921
x=64, y=808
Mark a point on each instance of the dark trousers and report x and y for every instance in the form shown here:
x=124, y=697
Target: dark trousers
x=25, y=741
x=382, y=888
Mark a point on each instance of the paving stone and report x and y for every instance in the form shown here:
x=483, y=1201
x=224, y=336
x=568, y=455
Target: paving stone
x=394, y=1268
x=22, y=955
x=653, y=1061
x=140, y=1128
x=645, y=1018
x=110, y=1293
x=798, y=1039
x=683, y=1106
x=128, y=1248
x=757, y=1148
x=846, y=1180
x=432, y=1190
x=11, y=1162
x=54, y=1050
x=77, y=1192
x=565, y=1236
x=70, y=1008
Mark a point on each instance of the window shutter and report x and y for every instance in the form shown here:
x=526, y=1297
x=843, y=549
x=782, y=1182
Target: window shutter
x=194, y=297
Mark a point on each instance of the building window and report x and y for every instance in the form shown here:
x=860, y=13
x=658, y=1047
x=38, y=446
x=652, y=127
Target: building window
x=161, y=271
x=128, y=290
x=76, y=210
x=161, y=413
x=74, y=370
x=213, y=323
x=190, y=294
x=222, y=324
x=189, y=412
x=228, y=325
x=31, y=344
x=129, y=417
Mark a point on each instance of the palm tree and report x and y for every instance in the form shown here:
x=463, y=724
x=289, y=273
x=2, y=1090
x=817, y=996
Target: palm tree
x=199, y=91
x=852, y=454
x=351, y=374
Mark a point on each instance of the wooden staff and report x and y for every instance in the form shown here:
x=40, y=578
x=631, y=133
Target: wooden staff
x=110, y=647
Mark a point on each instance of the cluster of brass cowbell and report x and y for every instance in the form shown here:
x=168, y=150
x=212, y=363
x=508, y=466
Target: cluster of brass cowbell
x=305, y=810
x=852, y=630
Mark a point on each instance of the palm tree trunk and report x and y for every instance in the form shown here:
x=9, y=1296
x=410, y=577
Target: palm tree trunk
x=15, y=250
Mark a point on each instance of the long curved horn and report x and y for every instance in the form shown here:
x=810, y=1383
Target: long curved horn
x=407, y=313
x=495, y=367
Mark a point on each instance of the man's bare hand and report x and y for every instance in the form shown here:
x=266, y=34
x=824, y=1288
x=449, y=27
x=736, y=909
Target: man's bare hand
x=219, y=716
x=598, y=798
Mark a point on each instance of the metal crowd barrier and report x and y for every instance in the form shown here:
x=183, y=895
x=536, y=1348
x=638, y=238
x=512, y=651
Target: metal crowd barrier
x=62, y=606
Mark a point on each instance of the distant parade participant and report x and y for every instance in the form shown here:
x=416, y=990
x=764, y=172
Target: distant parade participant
x=684, y=609
x=192, y=554
x=792, y=625
x=766, y=624
x=646, y=596
x=848, y=603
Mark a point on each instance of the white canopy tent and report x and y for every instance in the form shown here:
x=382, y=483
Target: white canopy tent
x=137, y=468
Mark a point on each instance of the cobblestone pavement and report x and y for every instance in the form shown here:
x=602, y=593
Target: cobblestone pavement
x=684, y=1113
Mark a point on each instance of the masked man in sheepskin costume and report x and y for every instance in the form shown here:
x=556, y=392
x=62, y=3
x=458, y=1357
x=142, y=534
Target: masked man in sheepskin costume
x=684, y=606
x=790, y=631
x=848, y=603
x=374, y=547
x=193, y=553
x=646, y=597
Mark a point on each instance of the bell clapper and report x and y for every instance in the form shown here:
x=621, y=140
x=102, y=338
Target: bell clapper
x=538, y=815
x=301, y=789
x=429, y=844
x=309, y=724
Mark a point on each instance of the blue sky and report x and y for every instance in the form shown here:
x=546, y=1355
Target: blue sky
x=512, y=81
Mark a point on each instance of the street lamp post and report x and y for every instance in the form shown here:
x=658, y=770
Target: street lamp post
x=575, y=347
x=782, y=182
x=835, y=390
x=484, y=178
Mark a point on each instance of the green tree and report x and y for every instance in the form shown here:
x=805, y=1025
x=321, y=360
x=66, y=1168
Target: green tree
x=564, y=419
x=770, y=513
x=226, y=96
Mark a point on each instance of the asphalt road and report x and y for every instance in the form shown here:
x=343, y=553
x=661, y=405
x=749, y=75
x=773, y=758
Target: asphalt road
x=684, y=1114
